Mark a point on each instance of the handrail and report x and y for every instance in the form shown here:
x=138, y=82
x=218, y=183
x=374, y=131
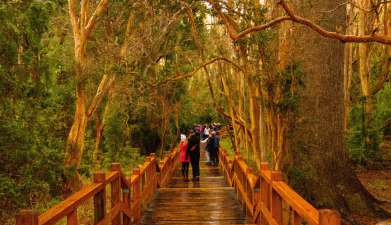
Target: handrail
x=267, y=199
x=136, y=191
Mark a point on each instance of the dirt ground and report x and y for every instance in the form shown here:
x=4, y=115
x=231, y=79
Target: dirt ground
x=378, y=183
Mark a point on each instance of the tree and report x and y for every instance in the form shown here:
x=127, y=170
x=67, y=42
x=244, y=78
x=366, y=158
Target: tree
x=321, y=169
x=82, y=27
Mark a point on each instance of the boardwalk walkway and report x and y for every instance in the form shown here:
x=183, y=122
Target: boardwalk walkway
x=156, y=194
x=209, y=201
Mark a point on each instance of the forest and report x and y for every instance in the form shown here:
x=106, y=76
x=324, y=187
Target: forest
x=302, y=84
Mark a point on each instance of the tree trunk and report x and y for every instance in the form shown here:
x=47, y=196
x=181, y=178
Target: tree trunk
x=98, y=139
x=75, y=141
x=363, y=49
x=253, y=106
x=347, y=82
x=99, y=128
x=230, y=108
x=82, y=26
x=348, y=60
x=324, y=174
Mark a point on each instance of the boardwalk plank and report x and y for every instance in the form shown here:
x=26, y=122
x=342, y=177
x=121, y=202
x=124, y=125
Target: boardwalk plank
x=209, y=201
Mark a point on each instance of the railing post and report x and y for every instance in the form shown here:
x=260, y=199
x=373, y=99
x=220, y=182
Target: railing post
x=276, y=201
x=329, y=217
x=137, y=197
x=148, y=188
x=256, y=200
x=162, y=173
x=154, y=174
x=249, y=191
x=295, y=218
x=72, y=218
x=126, y=203
x=116, y=192
x=100, y=198
x=27, y=217
x=264, y=192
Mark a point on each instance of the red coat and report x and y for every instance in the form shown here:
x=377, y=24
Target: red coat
x=183, y=148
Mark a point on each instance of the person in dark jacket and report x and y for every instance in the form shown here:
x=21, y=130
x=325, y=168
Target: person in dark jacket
x=214, y=148
x=193, y=149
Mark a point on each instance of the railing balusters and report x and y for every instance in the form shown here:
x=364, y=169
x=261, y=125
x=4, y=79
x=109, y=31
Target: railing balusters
x=295, y=218
x=126, y=220
x=264, y=189
x=72, y=218
x=162, y=173
x=276, y=202
x=116, y=192
x=154, y=173
x=136, y=190
x=137, y=196
x=266, y=197
x=100, y=198
x=27, y=217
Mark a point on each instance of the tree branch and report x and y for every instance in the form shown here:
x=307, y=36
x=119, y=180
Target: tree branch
x=74, y=17
x=334, y=35
x=240, y=123
x=95, y=15
x=83, y=13
x=187, y=75
x=103, y=87
x=260, y=27
x=297, y=19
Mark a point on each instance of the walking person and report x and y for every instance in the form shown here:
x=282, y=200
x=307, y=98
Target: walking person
x=206, y=146
x=217, y=147
x=184, y=157
x=193, y=150
x=214, y=148
x=206, y=131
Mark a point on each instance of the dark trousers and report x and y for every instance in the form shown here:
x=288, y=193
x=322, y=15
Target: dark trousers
x=185, y=169
x=214, y=157
x=195, y=163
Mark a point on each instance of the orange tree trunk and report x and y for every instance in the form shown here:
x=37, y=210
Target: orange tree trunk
x=75, y=141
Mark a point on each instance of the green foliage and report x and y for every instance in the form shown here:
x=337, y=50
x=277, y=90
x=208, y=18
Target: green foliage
x=32, y=114
x=291, y=82
x=197, y=109
x=284, y=89
x=359, y=150
x=117, y=141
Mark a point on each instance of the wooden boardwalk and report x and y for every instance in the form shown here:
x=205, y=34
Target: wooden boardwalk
x=208, y=201
x=156, y=194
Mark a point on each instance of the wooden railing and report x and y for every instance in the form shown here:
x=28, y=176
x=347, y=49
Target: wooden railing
x=127, y=195
x=267, y=199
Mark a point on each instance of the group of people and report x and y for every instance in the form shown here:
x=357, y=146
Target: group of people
x=202, y=137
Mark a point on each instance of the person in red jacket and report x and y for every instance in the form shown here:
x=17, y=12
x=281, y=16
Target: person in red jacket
x=184, y=157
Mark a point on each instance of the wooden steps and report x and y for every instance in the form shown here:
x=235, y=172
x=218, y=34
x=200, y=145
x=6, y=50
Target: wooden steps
x=208, y=201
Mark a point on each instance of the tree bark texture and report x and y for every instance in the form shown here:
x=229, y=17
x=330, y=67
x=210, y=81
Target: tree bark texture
x=82, y=26
x=322, y=171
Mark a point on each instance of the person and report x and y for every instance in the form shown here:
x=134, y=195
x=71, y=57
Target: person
x=214, y=148
x=193, y=150
x=205, y=145
x=206, y=131
x=217, y=147
x=184, y=158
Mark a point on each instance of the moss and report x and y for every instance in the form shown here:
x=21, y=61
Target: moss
x=356, y=203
